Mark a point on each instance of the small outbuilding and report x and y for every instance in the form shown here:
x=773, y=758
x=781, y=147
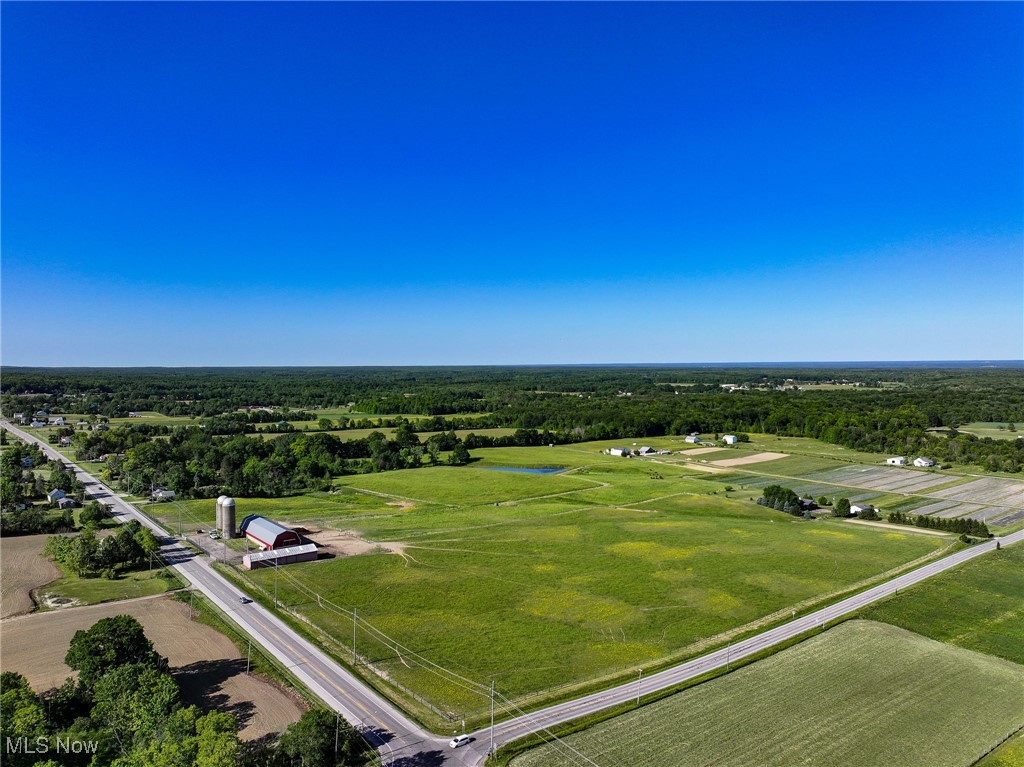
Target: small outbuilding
x=857, y=508
x=693, y=440
x=923, y=463
x=622, y=452
x=66, y=503
x=268, y=534
x=161, y=494
x=897, y=460
x=647, y=450
x=730, y=439
x=275, y=557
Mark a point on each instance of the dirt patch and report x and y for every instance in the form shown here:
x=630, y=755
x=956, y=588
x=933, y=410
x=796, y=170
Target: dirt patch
x=23, y=569
x=205, y=662
x=703, y=450
x=757, y=458
x=348, y=543
x=403, y=505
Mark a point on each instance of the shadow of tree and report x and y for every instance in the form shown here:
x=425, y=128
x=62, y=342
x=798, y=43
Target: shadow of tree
x=201, y=684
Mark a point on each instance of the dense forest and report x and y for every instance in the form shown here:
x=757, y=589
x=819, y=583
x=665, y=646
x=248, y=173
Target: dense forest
x=870, y=409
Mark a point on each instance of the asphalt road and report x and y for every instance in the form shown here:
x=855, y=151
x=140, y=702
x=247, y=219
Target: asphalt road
x=402, y=742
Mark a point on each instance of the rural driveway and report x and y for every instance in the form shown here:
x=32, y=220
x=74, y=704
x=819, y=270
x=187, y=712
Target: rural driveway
x=402, y=742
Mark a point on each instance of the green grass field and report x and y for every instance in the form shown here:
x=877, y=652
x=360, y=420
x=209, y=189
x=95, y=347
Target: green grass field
x=613, y=570
x=978, y=605
x=90, y=591
x=1009, y=754
x=988, y=429
x=863, y=693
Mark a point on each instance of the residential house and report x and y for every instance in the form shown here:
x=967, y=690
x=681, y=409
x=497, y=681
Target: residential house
x=160, y=495
x=65, y=441
x=647, y=450
x=923, y=463
x=37, y=424
x=101, y=427
x=55, y=495
x=58, y=421
x=857, y=508
x=66, y=503
x=27, y=462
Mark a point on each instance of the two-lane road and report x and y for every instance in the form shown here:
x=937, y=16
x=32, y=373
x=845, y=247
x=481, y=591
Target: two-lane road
x=402, y=742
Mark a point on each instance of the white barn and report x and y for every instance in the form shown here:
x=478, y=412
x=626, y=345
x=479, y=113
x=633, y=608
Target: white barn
x=730, y=439
x=897, y=460
x=923, y=463
x=692, y=440
x=619, y=451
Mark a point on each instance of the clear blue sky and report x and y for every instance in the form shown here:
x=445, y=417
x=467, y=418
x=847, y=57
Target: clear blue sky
x=335, y=183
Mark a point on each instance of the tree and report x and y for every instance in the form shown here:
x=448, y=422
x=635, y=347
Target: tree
x=133, y=699
x=310, y=741
x=109, y=643
x=21, y=716
x=94, y=512
x=459, y=455
x=842, y=508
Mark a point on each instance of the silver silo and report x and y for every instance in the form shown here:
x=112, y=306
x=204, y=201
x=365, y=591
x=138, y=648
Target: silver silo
x=228, y=517
x=220, y=513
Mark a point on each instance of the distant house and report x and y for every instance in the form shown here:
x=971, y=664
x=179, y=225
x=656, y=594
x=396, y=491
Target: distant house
x=133, y=414
x=55, y=495
x=58, y=421
x=65, y=441
x=692, y=440
x=923, y=463
x=857, y=508
x=808, y=504
x=101, y=427
x=27, y=462
x=42, y=413
x=19, y=417
x=897, y=460
x=37, y=424
x=730, y=439
x=66, y=503
x=647, y=450
x=163, y=495
x=622, y=452
x=82, y=423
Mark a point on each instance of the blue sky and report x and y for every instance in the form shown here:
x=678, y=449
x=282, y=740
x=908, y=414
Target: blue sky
x=341, y=184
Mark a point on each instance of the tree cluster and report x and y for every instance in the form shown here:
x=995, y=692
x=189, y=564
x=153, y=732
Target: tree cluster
x=963, y=525
x=125, y=701
x=87, y=555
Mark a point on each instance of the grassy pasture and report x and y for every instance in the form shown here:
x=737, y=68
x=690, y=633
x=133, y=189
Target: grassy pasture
x=987, y=429
x=863, y=693
x=90, y=591
x=977, y=605
x=564, y=589
x=1009, y=754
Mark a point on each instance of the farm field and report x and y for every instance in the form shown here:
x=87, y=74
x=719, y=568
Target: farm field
x=977, y=605
x=1009, y=754
x=22, y=569
x=616, y=568
x=986, y=429
x=204, y=661
x=862, y=693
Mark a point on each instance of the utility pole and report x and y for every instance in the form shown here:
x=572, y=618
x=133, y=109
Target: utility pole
x=337, y=721
x=190, y=595
x=353, y=637
x=491, y=749
x=248, y=657
x=275, y=582
x=640, y=676
x=179, y=519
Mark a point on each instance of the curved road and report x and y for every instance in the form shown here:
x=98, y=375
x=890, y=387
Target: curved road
x=402, y=742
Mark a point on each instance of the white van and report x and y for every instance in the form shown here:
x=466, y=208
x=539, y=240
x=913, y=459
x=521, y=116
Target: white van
x=458, y=740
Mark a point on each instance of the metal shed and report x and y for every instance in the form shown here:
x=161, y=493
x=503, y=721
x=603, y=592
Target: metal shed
x=285, y=556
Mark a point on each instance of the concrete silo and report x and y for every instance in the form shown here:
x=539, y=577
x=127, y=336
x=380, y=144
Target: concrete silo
x=220, y=513
x=227, y=511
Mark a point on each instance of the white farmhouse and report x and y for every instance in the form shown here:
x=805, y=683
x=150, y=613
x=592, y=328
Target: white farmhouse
x=897, y=460
x=923, y=463
x=857, y=508
x=730, y=439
